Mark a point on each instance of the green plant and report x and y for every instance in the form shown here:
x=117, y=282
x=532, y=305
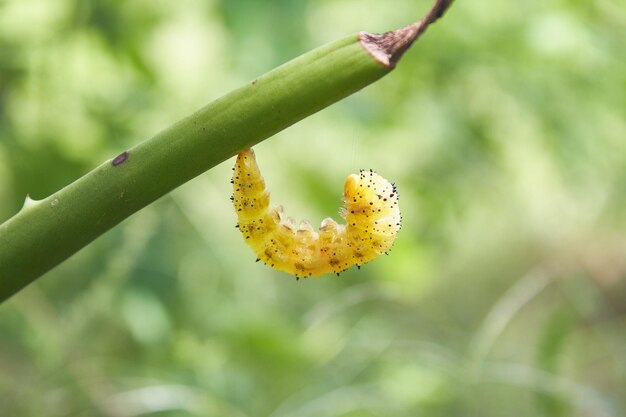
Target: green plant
x=48, y=231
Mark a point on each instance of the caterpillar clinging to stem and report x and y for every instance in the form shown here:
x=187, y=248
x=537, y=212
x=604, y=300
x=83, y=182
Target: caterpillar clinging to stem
x=370, y=209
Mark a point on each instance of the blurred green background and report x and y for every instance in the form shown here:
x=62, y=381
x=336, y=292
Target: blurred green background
x=505, y=294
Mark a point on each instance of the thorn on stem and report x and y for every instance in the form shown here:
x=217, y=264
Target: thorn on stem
x=29, y=202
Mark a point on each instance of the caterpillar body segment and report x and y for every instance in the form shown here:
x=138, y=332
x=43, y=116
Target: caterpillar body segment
x=370, y=210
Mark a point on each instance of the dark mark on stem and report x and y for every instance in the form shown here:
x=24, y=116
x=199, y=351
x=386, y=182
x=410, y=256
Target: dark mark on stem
x=120, y=159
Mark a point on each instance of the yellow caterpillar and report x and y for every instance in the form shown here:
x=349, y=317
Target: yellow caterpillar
x=370, y=209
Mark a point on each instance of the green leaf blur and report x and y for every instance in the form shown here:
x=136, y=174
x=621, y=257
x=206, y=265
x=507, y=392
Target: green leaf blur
x=505, y=294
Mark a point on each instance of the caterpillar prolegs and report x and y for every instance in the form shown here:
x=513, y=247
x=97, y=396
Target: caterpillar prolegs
x=370, y=209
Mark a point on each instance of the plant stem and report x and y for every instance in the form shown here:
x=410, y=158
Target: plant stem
x=46, y=232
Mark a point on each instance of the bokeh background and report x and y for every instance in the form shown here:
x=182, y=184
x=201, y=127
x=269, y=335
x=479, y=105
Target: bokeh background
x=505, y=294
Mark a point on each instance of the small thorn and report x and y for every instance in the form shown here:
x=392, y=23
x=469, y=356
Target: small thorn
x=358, y=267
x=257, y=259
x=29, y=202
x=297, y=278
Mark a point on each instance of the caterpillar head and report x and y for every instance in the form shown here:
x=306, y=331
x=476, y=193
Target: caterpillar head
x=368, y=197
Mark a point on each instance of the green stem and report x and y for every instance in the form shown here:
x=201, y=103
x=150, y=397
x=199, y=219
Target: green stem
x=46, y=232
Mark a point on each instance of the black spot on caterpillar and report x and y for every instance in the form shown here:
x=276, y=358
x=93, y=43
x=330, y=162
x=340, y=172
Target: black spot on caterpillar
x=370, y=209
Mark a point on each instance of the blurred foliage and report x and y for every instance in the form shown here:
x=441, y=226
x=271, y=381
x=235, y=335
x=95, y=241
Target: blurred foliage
x=505, y=294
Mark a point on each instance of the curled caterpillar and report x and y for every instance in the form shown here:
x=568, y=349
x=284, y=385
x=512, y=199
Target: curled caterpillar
x=370, y=209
